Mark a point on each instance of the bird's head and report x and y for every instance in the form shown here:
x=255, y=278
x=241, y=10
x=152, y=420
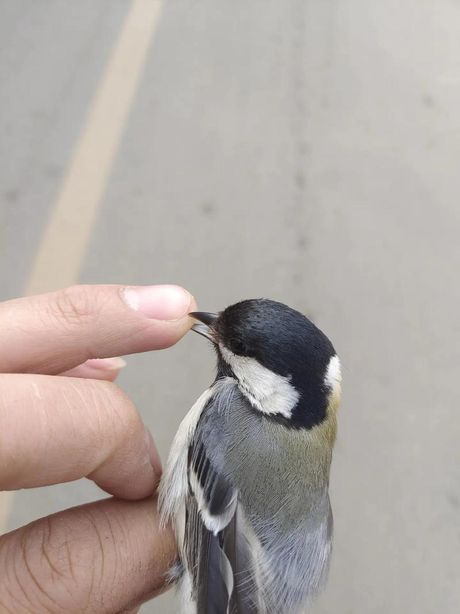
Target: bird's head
x=284, y=365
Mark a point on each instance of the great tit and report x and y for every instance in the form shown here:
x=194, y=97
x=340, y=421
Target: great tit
x=246, y=483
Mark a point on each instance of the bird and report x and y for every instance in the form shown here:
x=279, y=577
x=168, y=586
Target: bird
x=246, y=483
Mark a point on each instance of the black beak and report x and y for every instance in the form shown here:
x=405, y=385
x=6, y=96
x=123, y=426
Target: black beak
x=205, y=325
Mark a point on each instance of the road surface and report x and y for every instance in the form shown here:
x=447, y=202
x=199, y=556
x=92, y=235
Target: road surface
x=302, y=150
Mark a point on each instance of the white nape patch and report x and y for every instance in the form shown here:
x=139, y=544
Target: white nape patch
x=174, y=483
x=212, y=523
x=268, y=392
x=333, y=378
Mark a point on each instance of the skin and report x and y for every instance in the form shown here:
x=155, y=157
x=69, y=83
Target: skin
x=62, y=418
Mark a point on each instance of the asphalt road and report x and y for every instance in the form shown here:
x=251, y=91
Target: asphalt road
x=302, y=150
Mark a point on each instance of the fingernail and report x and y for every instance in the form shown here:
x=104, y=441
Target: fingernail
x=107, y=364
x=153, y=453
x=158, y=302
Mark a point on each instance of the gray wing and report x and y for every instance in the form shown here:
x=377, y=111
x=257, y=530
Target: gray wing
x=217, y=551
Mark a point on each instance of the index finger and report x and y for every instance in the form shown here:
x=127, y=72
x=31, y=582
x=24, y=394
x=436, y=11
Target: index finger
x=53, y=332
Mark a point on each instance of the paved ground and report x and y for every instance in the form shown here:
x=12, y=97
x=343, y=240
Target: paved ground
x=303, y=150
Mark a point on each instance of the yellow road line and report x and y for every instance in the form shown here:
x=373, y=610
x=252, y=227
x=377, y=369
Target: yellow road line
x=74, y=213
x=66, y=237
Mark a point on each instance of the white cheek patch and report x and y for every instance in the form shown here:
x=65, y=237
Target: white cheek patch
x=333, y=378
x=268, y=392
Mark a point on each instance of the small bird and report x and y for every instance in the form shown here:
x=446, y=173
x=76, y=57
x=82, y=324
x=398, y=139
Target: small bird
x=246, y=483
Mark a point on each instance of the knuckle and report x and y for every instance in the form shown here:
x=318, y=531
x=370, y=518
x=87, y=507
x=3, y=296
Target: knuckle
x=59, y=571
x=98, y=555
x=124, y=417
x=123, y=451
x=114, y=425
x=74, y=306
x=34, y=570
x=54, y=551
x=70, y=562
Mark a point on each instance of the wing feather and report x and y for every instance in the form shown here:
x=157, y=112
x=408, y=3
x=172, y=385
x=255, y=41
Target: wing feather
x=218, y=556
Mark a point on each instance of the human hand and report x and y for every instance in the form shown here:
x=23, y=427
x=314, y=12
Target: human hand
x=57, y=426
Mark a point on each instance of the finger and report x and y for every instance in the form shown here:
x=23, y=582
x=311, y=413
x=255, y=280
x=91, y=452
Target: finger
x=58, y=429
x=104, y=557
x=98, y=368
x=54, y=332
